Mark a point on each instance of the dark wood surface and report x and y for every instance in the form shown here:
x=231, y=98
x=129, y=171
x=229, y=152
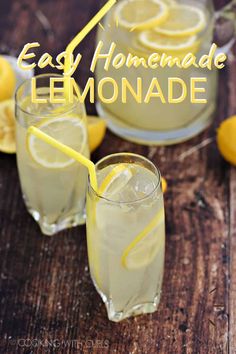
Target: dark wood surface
x=46, y=293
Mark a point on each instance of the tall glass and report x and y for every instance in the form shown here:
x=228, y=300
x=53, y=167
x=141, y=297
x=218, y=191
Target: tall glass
x=53, y=186
x=158, y=122
x=126, y=235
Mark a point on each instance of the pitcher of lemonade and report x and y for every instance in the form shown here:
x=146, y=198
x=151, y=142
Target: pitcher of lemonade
x=174, y=27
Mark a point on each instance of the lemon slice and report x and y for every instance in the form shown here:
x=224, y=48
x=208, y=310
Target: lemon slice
x=161, y=43
x=70, y=131
x=140, y=14
x=7, y=127
x=96, y=131
x=226, y=139
x=182, y=20
x=115, y=180
x=7, y=80
x=144, y=248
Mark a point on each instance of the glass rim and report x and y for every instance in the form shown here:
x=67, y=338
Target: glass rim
x=70, y=109
x=141, y=157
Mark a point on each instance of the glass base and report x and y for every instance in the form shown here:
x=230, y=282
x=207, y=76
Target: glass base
x=52, y=229
x=137, y=309
x=152, y=137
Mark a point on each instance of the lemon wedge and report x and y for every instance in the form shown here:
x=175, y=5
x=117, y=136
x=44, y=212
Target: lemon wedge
x=96, y=131
x=70, y=131
x=163, y=43
x=7, y=80
x=144, y=248
x=7, y=127
x=182, y=20
x=140, y=14
x=226, y=139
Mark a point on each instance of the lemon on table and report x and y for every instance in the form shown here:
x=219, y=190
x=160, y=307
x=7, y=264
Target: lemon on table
x=182, y=20
x=7, y=127
x=7, y=80
x=96, y=131
x=70, y=131
x=140, y=14
x=226, y=139
x=163, y=185
x=144, y=248
x=162, y=43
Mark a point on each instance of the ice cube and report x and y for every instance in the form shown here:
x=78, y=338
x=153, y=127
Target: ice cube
x=142, y=183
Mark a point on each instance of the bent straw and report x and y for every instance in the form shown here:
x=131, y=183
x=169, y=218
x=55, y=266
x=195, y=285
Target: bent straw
x=69, y=152
x=79, y=37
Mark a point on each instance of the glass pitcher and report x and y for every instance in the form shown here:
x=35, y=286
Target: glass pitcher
x=188, y=26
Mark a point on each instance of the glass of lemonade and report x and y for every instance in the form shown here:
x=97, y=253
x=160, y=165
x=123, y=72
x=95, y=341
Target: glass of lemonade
x=126, y=235
x=143, y=27
x=53, y=185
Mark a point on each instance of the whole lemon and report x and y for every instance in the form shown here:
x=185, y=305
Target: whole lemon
x=7, y=126
x=96, y=132
x=7, y=80
x=226, y=139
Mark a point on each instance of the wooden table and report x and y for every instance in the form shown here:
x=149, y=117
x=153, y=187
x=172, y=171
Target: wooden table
x=46, y=294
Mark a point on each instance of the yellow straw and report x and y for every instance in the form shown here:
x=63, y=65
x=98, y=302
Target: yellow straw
x=82, y=34
x=69, y=152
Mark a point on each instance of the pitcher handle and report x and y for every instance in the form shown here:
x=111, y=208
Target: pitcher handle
x=225, y=27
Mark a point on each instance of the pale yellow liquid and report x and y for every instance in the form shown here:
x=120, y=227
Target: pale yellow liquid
x=154, y=116
x=54, y=197
x=126, y=292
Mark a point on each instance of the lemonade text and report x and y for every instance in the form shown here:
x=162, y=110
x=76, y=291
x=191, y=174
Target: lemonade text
x=109, y=91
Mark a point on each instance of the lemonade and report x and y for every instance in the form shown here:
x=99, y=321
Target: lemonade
x=53, y=185
x=126, y=235
x=158, y=26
